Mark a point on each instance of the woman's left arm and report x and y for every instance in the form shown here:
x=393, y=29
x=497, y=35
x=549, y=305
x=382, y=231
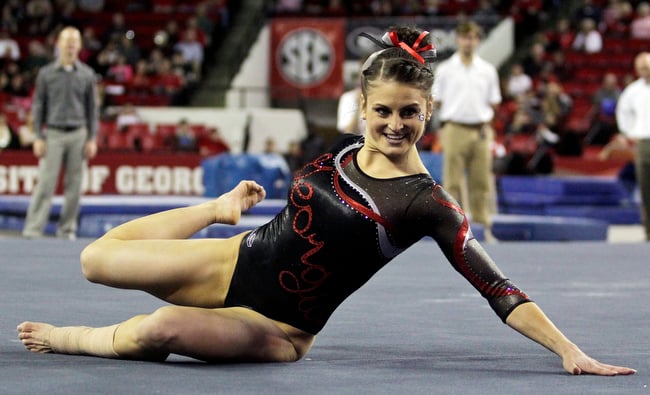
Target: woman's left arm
x=529, y=320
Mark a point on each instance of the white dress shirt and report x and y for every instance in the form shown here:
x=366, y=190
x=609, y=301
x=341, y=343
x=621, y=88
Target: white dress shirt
x=633, y=110
x=467, y=93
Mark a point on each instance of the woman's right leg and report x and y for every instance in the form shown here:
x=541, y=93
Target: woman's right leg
x=152, y=253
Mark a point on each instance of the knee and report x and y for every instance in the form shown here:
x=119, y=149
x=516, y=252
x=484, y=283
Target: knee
x=92, y=259
x=157, y=330
x=89, y=258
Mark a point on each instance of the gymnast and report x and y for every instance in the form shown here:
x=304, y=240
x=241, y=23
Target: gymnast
x=264, y=295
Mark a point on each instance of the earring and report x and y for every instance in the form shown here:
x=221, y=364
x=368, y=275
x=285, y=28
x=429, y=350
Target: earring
x=421, y=117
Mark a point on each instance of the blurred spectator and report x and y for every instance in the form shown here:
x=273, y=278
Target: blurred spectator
x=617, y=17
x=91, y=5
x=13, y=14
x=556, y=105
x=9, y=48
x=128, y=115
x=588, y=10
x=167, y=38
x=293, y=156
x=558, y=68
x=39, y=16
x=192, y=23
x=269, y=146
x=128, y=47
x=518, y=82
x=18, y=86
x=288, y=6
x=91, y=45
x=527, y=114
x=561, y=37
x=348, y=114
x=534, y=61
x=212, y=143
x=603, y=111
x=26, y=135
x=335, y=8
x=485, y=9
x=166, y=81
x=182, y=68
x=203, y=21
x=155, y=60
x=312, y=145
x=35, y=59
x=5, y=133
x=120, y=72
x=184, y=138
x=116, y=29
x=192, y=51
x=432, y=7
x=527, y=19
x=381, y=8
x=640, y=27
x=106, y=58
x=588, y=39
x=141, y=82
x=65, y=15
x=218, y=10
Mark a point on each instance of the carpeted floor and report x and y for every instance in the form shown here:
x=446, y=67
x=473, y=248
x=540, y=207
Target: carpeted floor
x=416, y=328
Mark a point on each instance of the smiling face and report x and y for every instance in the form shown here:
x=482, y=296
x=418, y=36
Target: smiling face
x=393, y=121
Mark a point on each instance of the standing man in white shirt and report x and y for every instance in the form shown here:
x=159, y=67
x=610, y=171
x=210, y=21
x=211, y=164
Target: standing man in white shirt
x=633, y=119
x=466, y=91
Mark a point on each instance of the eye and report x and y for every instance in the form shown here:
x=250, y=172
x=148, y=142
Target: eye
x=409, y=112
x=382, y=111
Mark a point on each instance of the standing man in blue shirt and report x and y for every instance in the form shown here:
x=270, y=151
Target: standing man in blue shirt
x=65, y=119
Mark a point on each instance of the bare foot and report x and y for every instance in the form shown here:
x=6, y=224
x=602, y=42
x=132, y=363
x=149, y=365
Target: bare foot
x=230, y=205
x=35, y=336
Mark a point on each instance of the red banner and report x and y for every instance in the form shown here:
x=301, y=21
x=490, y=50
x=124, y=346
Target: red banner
x=115, y=173
x=307, y=56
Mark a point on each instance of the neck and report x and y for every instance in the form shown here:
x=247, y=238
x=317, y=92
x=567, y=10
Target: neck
x=67, y=61
x=466, y=58
x=378, y=165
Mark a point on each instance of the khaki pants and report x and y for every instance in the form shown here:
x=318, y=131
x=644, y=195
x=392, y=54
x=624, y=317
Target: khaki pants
x=642, y=168
x=467, y=168
x=62, y=149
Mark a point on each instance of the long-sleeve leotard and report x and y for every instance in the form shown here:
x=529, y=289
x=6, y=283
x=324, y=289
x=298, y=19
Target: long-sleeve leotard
x=339, y=227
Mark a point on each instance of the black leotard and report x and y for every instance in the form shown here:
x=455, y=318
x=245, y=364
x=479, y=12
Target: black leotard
x=340, y=226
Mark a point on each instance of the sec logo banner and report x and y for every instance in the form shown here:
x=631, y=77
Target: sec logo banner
x=308, y=56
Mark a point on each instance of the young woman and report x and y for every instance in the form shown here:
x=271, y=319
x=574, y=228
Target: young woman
x=264, y=295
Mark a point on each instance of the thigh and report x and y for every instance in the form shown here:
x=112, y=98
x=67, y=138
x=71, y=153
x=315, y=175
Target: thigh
x=75, y=155
x=225, y=334
x=452, y=142
x=50, y=163
x=193, y=272
x=480, y=166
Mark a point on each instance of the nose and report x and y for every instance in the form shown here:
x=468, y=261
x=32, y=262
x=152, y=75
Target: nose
x=395, y=123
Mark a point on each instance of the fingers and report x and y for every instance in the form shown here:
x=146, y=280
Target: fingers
x=591, y=366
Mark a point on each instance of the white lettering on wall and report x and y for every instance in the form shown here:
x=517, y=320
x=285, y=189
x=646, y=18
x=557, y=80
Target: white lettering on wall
x=160, y=180
x=129, y=180
x=13, y=179
x=94, y=178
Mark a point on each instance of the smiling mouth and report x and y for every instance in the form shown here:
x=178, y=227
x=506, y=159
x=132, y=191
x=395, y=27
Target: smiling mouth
x=395, y=138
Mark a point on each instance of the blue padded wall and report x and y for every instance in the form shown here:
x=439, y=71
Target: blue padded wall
x=223, y=172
